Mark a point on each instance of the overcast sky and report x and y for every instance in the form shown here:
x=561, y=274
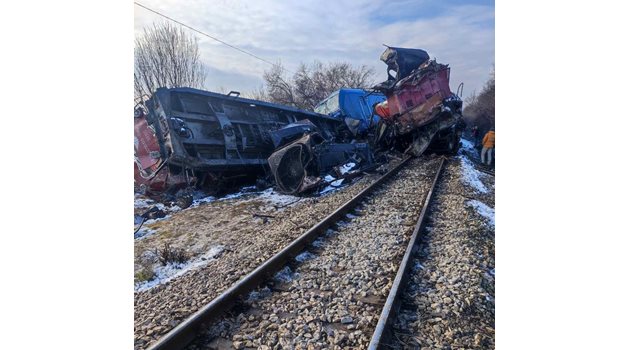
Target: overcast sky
x=458, y=33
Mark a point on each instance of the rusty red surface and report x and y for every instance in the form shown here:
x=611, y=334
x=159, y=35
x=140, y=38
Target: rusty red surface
x=148, y=168
x=412, y=92
x=147, y=149
x=420, y=115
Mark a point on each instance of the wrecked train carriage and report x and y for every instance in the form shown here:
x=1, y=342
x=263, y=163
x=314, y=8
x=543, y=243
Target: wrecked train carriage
x=186, y=137
x=304, y=164
x=301, y=165
x=421, y=111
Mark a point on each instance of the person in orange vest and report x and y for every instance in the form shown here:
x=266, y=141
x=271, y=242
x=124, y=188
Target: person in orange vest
x=488, y=147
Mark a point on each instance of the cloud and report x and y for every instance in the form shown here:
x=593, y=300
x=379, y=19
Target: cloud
x=294, y=32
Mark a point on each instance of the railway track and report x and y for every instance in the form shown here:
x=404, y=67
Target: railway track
x=350, y=275
x=448, y=298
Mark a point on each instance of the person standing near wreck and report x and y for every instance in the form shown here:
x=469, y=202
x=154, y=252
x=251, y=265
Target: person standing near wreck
x=488, y=147
x=475, y=135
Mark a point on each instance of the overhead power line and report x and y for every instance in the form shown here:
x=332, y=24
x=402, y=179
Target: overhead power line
x=205, y=34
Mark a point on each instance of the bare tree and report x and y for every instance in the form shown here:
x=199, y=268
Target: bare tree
x=258, y=94
x=479, y=108
x=311, y=83
x=166, y=56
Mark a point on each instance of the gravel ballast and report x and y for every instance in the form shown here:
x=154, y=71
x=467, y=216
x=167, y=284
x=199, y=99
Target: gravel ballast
x=332, y=295
x=448, y=302
x=245, y=241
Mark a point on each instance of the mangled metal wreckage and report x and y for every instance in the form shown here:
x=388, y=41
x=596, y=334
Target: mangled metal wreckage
x=414, y=110
x=188, y=138
x=420, y=111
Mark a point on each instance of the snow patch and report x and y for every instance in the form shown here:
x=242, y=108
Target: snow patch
x=272, y=197
x=285, y=275
x=417, y=267
x=334, y=183
x=201, y=198
x=269, y=195
x=304, y=256
x=319, y=242
x=347, y=167
x=483, y=210
x=470, y=175
x=166, y=273
x=144, y=232
x=467, y=144
x=141, y=202
x=258, y=294
x=142, y=205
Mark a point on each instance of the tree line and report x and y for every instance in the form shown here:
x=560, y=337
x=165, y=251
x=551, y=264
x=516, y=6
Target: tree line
x=479, y=108
x=168, y=56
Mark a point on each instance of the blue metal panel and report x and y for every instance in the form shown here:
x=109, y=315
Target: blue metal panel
x=357, y=104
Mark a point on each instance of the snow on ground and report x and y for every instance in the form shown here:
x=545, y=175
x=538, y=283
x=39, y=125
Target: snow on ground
x=347, y=167
x=334, y=185
x=201, y=198
x=166, y=273
x=258, y=294
x=269, y=195
x=304, y=256
x=144, y=231
x=140, y=202
x=483, y=210
x=285, y=275
x=249, y=193
x=143, y=204
x=470, y=175
x=272, y=197
x=467, y=144
x=417, y=266
x=319, y=242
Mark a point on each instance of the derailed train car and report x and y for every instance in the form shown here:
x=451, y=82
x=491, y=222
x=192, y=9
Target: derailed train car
x=303, y=164
x=420, y=110
x=186, y=137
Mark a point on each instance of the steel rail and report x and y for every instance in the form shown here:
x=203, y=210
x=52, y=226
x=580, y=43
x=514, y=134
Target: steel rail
x=184, y=333
x=483, y=169
x=486, y=171
x=392, y=304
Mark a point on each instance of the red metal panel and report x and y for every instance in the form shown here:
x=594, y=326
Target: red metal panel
x=148, y=161
x=412, y=93
x=146, y=145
